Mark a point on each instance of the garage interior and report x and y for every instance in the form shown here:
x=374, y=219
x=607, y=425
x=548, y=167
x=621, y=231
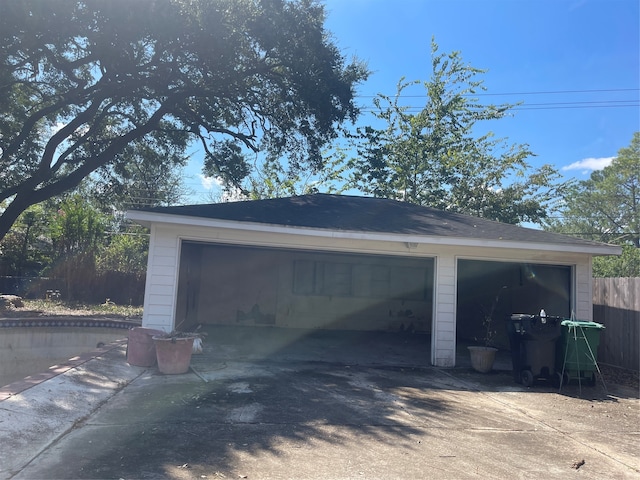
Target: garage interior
x=254, y=286
x=518, y=287
x=230, y=285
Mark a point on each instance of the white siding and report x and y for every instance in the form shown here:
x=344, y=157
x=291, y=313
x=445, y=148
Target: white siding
x=443, y=339
x=584, y=290
x=164, y=255
x=162, y=277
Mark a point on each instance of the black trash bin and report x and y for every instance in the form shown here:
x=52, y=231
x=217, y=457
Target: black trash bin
x=515, y=332
x=532, y=339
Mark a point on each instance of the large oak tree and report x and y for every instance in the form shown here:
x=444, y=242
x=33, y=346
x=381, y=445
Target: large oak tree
x=82, y=82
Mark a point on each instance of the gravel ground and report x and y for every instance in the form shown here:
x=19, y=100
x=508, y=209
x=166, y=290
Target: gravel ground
x=621, y=376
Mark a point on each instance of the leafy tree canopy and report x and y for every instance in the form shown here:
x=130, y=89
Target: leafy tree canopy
x=26, y=249
x=435, y=158
x=140, y=177
x=271, y=179
x=76, y=227
x=606, y=208
x=83, y=81
x=626, y=265
x=125, y=253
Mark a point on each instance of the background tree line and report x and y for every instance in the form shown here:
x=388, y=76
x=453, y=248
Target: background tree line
x=102, y=102
x=606, y=208
x=86, y=254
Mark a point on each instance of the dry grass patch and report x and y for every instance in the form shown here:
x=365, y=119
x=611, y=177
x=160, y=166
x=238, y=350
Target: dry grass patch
x=60, y=308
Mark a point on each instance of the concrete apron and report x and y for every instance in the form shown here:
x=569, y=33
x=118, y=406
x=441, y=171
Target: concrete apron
x=269, y=405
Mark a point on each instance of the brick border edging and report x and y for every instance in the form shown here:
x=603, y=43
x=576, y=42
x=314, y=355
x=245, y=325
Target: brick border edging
x=67, y=321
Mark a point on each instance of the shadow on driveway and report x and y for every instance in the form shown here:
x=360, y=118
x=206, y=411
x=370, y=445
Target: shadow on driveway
x=284, y=404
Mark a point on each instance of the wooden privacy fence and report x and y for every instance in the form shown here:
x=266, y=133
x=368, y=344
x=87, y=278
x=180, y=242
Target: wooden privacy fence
x=616, y=304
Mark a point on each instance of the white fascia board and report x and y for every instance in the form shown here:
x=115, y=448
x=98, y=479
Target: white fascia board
x=147, y=218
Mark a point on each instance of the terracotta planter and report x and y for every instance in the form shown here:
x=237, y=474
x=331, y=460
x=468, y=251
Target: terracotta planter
x=482, y=358
x=141, y=350
x=173, y=354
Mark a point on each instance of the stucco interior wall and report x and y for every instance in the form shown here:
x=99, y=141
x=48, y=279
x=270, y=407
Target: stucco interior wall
x=529, y=288
x=233, y=285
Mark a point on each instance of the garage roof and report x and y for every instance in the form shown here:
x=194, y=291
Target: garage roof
x=346, y=213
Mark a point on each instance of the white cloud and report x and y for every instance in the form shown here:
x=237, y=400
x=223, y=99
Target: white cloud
x=208, y=183
x=590, y=164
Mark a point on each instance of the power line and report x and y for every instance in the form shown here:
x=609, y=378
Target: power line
x=580, y=103
x=550, y=92
x=538, y=106
x=634, y=102
x=557, y=92
x=561, y=106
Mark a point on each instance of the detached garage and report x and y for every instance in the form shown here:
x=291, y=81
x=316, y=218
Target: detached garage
x=356, y=263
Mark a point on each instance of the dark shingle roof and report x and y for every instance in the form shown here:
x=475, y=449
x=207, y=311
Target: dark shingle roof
x=366, y=214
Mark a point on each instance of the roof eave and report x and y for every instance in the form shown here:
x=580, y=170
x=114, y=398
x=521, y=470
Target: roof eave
x=149, y=218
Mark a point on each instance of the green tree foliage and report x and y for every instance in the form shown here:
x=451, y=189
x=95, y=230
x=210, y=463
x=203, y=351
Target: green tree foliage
x=26, y=249
x=606, y=208
x=626, y=265
x=81, y=82
x=433, y=158
x=88, y=255
x=144, y=176
x=126, y=253
x=76, y=227
x=273, y=179
x=77, y=231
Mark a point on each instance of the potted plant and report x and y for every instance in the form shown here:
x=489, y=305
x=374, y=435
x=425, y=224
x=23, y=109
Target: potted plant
x=483, y=356
x=174, y=350
x=141, y=349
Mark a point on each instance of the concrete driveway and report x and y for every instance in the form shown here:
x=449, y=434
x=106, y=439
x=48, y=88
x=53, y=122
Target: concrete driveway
x=282, y=405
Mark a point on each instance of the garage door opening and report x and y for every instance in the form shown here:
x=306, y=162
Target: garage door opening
x=253, y=286
x=529, y=288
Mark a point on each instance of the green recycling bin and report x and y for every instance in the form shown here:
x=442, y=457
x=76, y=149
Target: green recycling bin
x=577, y=350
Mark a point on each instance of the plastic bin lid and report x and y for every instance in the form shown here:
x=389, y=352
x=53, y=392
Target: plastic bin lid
x=581, y=323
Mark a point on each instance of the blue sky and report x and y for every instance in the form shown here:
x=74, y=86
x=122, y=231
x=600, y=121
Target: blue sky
x=574, y=64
